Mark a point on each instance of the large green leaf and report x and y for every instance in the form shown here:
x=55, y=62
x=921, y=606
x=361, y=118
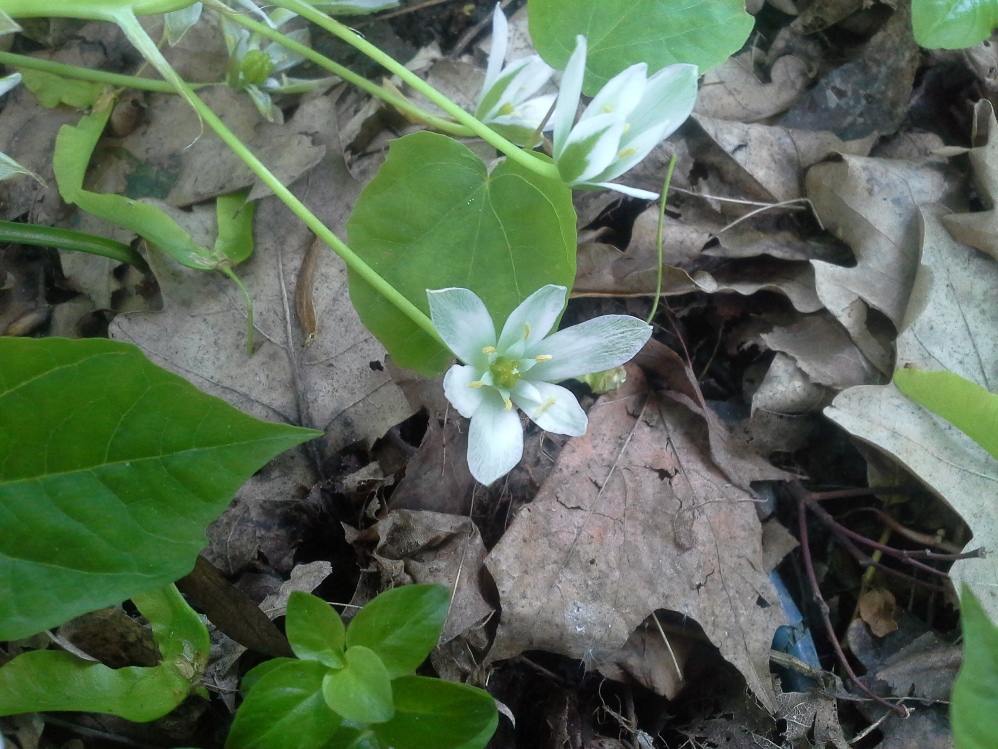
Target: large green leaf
x=43, y=680
x=621, y=33
x=285, y=710
x=401, y=625
x=436, y=714
x=953, y=24
x=966, y=405
x=110, y=470
x=434, y=217
x=975, y=694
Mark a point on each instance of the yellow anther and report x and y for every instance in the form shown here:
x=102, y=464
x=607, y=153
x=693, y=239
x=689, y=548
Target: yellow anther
x=508, y=402
x=526, y=331
x=607, y=108
x=476, y=384
x=489, y=350
x=626, y=152
x=507, y=108
x=544, y=407
x=543, y=357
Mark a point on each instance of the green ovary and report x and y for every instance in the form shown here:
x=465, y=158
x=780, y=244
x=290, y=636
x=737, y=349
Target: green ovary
x=256, y=66
x=505, y=372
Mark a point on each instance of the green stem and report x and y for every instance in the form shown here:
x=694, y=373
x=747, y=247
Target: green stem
x=352, y=259
x=399, y=102
x=66, y=239
x=660, y=236
x=248, y=300
x=476, y=126
x=85, y=74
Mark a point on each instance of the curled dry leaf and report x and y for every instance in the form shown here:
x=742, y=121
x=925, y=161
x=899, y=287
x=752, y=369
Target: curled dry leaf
x=733, y=91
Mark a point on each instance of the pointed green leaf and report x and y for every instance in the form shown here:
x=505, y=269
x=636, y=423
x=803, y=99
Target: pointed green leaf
x=622, y=33
x=434, y=217
x=53, y=90
x=975, y=693
x=314, y=629
x=110, y=470
x=258, y=672
x=966, y=405
x=401, y=625
x=285, y=710
x=436, y=714
x=361, y=691
x=43, y=680
x=235, y=226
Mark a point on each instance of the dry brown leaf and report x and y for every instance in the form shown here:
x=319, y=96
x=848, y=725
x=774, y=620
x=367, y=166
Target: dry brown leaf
x=871, y=204
x=877, y=608
x=732, y=91
x=767, y=162
x=980, y=229
x=635, y=517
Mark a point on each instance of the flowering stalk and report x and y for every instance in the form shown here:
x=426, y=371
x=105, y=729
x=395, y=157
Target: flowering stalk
x=520, y=366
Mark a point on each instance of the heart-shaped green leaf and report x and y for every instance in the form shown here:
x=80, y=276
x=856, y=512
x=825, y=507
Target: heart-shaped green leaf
x=314, y=629
x=622, y=33
x=361, y=691
x=434, y=217
x=401, y=625
x=285, y=710
x=110, y=470
x=432, y=714
x=948, y=24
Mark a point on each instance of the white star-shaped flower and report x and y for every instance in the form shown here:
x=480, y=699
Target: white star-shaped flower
x=520, y=366
x=507, y=102
x=629, y=116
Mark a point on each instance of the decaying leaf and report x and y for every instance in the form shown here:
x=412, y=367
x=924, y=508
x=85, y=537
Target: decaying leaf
x=732, y=91
x=635, y=517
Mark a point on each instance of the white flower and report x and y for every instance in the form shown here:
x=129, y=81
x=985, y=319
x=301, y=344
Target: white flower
x=505, y=102
x=519, y=368
x=629, y=116
x=254, y=62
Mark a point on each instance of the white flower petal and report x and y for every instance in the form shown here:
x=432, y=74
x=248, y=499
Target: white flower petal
x=497, y=53
x=457, y=388
x=555, y=411
x=463, y=322
x=495, y=440
x=667, y=102
x=621, y=94
x=539, y=311
x=8, y=82
x=568, y=96
x=633, y=192
x=630, y=151
x=592, y=346
x=591, y=148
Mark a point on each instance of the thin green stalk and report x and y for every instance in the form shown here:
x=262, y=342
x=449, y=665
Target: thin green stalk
x=248, y=301
x=85, y=74
x=476, y=126
x=66, y=239
x=659, y=236
x=352, y=259
x=399, y=102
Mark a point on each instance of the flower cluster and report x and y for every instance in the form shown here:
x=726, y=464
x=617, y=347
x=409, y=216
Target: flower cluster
x=520, y=366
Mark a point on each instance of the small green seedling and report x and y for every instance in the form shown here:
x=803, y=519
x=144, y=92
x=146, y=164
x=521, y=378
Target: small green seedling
x=355, y=687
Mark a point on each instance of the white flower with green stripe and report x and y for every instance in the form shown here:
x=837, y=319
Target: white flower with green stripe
x=629, y=116
x=520, y=366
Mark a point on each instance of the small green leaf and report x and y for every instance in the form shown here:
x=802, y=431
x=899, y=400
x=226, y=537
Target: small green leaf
x=73, y=148
x=401, y=625
x=258, y=672
x=315, y=630
x=436, y=714
x=434, y=217
x=361, y=691
x=235, y=226
x=44, y=680
x=285, y=710
x=966, y=405
x=111, y=469
x=975, y=693
x=953, y=24
x=53, y=90
x=622, y=33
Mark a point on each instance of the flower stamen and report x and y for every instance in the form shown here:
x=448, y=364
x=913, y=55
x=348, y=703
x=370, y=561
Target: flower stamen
x=489, y=350
x=543, y=357
x=476, y=384
x=508, y=403
x=544, y=407
x=526, y=331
